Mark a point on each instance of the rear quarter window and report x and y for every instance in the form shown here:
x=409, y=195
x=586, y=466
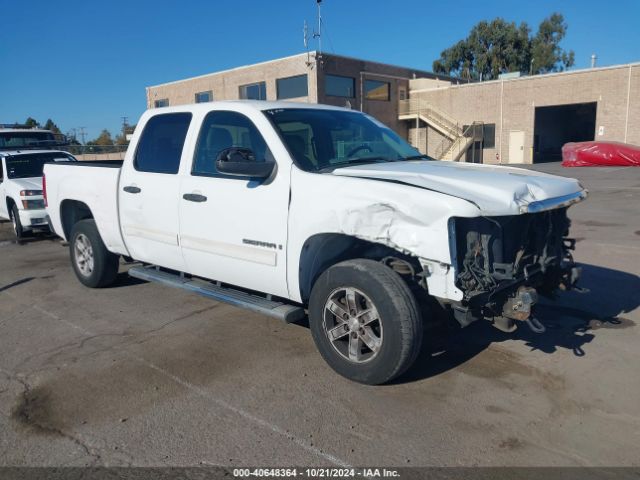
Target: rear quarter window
x=161, y=143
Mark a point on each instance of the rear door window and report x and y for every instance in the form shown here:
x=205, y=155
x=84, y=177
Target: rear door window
x=160, y=146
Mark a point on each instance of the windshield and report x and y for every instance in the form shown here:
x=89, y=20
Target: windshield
x=321, y=140
x=25, y=166
x=16, y=140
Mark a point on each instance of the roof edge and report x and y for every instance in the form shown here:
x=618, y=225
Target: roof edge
x=315, y=53
x=432, y=75
x=230, y=70
x=546, y=75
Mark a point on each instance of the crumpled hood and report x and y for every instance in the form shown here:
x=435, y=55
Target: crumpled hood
x=495, y=190
x=32, y=183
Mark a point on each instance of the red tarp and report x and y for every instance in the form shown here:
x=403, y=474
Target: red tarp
x=598, y=154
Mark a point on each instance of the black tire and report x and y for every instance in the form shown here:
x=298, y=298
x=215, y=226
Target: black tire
x=399, y=320
x=17, y=225
x=104, y=265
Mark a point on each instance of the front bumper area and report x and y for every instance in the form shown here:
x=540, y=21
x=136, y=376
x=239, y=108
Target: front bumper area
x=502, y=263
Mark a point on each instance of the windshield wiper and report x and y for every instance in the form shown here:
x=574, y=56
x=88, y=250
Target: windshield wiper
x=367, y=160
x=355, y=161
x=418, y=157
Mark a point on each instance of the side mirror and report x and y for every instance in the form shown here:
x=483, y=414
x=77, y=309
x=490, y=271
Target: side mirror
x=241, y=162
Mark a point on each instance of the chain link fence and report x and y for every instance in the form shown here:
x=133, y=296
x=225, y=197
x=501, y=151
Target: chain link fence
x=96, y=152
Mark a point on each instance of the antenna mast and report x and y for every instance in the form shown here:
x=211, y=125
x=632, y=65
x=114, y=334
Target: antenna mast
x=306, y=45
x=317, y=35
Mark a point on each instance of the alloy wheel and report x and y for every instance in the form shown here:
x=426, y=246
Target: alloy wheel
x=83, y=253
x=352, y=324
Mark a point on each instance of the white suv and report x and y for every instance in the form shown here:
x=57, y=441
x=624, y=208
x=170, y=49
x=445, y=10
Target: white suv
x=21, y=166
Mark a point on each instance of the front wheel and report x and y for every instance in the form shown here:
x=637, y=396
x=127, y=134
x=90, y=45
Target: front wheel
x=93, y=264
x=365, y=321
x=17, y=224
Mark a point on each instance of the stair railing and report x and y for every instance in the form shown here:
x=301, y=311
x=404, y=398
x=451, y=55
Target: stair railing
x=461, y=143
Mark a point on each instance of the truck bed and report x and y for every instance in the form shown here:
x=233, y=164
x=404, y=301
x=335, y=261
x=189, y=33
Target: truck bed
x=94, y=184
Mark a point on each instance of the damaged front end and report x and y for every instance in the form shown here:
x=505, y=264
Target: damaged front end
x=503, y=262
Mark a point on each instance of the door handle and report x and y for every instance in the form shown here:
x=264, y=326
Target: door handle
x=194, y=197
x=131, y=189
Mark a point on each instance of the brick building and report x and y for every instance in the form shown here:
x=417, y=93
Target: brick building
x=526, y=119
x=511, y=120
x=329, y=79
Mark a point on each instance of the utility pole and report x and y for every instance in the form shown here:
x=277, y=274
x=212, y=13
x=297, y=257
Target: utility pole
x=82, y=134
x=124, y=128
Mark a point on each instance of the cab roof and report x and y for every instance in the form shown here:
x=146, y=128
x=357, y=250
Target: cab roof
x=11, y=153
x=23, y=130
x=260, y=105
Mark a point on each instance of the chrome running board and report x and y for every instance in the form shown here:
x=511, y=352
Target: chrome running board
x=284, y=311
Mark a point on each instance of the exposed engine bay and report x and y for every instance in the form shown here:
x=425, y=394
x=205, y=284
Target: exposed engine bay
x=503, y=262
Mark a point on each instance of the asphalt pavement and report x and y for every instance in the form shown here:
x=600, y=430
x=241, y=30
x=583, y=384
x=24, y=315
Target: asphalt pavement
x=141, y=374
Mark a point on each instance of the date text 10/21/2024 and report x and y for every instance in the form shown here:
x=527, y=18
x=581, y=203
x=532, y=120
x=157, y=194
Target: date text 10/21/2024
x=316, y=472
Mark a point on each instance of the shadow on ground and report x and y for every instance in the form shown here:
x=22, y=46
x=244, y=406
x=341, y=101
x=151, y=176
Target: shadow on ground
x=34, y=238
x=125, y=280
x=572, y=321
x=8, y=236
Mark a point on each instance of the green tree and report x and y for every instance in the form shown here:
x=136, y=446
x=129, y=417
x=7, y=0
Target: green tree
x=496, y=47
x=121, y=138
x=31, y=122
x=104, y=139
x=546, y=54
x=50, y=125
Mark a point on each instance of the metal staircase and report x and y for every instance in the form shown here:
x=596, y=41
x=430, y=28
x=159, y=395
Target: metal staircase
x=457, y=140
x=453, y=149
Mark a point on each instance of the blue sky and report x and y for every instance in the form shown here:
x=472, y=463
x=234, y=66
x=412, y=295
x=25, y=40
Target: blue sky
x=86, y=63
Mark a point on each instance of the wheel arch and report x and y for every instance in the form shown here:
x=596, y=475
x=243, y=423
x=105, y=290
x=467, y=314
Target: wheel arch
x=71, y=212
x=321, y=251
x=10, y=202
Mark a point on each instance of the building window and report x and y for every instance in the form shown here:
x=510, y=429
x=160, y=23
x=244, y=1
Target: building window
x=254, y=91
x=204, y=97
x=489, y=135
x=164, y=102
x=292, y=87
x=402, y=93
x=338, y=86
x=376, y=90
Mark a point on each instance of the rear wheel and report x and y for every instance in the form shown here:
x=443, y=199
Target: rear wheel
x=93, y=264
x=365, y=321
x=17, y=225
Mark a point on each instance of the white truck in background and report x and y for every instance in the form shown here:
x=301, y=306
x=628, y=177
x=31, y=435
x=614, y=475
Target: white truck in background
x=288, y=208
x=23, y=153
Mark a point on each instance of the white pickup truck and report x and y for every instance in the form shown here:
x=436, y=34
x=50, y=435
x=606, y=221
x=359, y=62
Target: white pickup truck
x=284, y=208
x=22, y=157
